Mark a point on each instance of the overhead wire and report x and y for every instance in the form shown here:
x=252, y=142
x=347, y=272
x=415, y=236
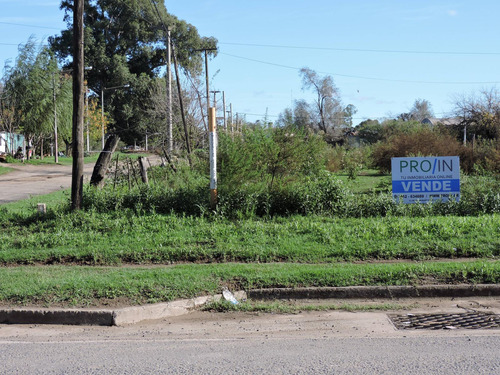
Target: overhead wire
x=365, y=77
x=362, y=50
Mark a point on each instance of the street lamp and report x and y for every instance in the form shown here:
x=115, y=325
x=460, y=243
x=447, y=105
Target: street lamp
x=102, y=106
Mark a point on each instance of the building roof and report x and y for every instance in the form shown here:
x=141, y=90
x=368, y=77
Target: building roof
x=448, y=121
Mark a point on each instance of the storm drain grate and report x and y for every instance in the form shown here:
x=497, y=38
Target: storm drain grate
x=469, y=320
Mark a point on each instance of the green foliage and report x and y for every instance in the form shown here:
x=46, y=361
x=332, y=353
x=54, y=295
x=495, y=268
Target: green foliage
x=418, y=141
x=31, y=86
x=270, y=156
x=125, y=44
x=370, y=131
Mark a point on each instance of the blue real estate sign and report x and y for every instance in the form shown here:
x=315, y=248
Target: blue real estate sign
x=424, y=179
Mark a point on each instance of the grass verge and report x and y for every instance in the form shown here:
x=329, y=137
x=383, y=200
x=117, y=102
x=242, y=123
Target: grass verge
x=92, y=286
x=89, y=238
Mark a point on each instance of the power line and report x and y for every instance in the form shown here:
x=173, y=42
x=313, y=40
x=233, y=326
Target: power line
x=364, y=77
x=363, y=50
x=34, y=26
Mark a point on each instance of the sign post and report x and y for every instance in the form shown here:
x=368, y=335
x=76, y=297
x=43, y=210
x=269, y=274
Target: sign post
x=425, y=179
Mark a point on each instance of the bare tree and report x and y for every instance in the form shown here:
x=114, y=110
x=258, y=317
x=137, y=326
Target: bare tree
x=328, y=106
x=421, y=109
x=480, y=114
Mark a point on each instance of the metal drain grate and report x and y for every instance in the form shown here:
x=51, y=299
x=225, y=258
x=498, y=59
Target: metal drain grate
x=469, y=320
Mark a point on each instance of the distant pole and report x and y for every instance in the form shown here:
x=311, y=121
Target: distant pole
x=224, y=110
x=78, y=106
x=206, y=79
x=56, y=156
x=231, y=116
x=212, y=138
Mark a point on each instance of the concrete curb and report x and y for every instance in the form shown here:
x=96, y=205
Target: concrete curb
x=135, y=314
x=106, y=317
x=481, y=290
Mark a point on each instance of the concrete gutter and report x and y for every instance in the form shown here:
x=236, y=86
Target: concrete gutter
x=106, y=317
x=135, y=314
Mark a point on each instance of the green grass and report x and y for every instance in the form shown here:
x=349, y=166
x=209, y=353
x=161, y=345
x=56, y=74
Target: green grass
x=125, y=257
x=123, y=237
x=81, y=286
x=4, y=170
x=27, y=207
x=367, y=181
x=281, y=307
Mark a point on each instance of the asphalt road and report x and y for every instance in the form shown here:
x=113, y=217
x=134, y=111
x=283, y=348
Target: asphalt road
x=244, y=343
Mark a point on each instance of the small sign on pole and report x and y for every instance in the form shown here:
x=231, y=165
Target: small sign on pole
x=425, y=179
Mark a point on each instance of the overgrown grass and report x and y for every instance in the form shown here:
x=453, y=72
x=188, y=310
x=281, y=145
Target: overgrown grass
x=123, y=237
x=72, y=285
x=289, y=308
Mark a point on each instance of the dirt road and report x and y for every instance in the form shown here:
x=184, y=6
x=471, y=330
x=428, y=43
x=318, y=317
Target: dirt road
x=30, y=180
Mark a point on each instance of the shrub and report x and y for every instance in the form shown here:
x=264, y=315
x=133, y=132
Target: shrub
x=426, y=142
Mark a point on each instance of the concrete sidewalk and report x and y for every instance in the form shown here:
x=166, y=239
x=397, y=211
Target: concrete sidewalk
x=135, y=314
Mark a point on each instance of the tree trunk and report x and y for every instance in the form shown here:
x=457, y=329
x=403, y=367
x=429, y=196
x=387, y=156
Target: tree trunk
x=101, y=166
x=144, y=170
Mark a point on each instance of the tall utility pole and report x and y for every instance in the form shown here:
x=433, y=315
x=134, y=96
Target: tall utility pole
x=181, y=104
x=206, y=74
x=169, y=92
x=78, y=106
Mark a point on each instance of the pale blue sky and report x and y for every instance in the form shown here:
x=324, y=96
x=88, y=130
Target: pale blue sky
x=382, y=54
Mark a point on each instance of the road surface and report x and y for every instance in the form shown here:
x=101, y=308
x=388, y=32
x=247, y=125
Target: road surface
x=29, y=180
x=249, y=343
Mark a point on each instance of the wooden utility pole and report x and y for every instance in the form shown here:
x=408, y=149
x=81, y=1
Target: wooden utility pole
x=181, y=103
x=231, y=116
x=206, y=74
x=78, y=106
x=169, y=92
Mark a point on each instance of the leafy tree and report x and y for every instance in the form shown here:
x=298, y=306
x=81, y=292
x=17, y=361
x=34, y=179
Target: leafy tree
x=34, y=86
x=370, y=131
x=299, y=116
x=349, y=111
x=421, y=109
x=125, y=44
x=269, y=155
